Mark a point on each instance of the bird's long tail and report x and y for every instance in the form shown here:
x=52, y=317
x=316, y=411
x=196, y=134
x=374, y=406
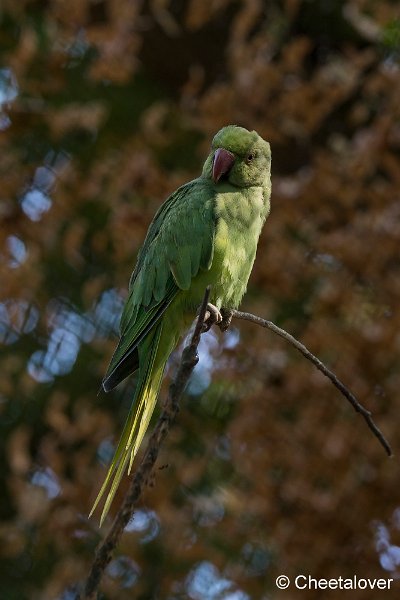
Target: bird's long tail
x=150, y=376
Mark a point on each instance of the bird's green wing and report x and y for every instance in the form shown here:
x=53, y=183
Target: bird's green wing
x=179, y=243
x=125, y=359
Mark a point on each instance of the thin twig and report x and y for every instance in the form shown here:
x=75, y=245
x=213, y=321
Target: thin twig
x=142, y=474
x=320, y=365
x=170, y=409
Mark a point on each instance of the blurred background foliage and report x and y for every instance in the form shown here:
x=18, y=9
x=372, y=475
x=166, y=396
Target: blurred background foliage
x=106, y=106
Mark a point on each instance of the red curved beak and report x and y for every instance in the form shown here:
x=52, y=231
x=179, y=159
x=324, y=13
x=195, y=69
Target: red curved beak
x=223, y=162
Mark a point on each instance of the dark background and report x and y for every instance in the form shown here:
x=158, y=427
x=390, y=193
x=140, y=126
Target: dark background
x=108, y=106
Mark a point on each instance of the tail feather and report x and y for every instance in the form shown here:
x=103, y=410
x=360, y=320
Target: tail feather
x=136, y=424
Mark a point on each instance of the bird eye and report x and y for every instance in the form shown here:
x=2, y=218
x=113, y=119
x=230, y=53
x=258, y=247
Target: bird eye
x=250, y=157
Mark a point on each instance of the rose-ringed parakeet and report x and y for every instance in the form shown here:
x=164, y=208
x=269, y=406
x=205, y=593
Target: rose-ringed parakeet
x=205, y=233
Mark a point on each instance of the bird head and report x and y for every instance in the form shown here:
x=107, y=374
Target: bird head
x=240, y=157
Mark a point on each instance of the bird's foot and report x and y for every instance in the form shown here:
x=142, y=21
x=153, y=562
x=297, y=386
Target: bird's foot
x=226, y=314
x=212, y=317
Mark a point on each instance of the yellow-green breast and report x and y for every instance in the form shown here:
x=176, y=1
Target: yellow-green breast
x=240, y=217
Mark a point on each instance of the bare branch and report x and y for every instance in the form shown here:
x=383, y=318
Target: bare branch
x=141, y=476
x=320, y=365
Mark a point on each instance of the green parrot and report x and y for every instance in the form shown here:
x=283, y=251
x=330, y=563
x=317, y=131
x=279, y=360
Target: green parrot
x=205, y=233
